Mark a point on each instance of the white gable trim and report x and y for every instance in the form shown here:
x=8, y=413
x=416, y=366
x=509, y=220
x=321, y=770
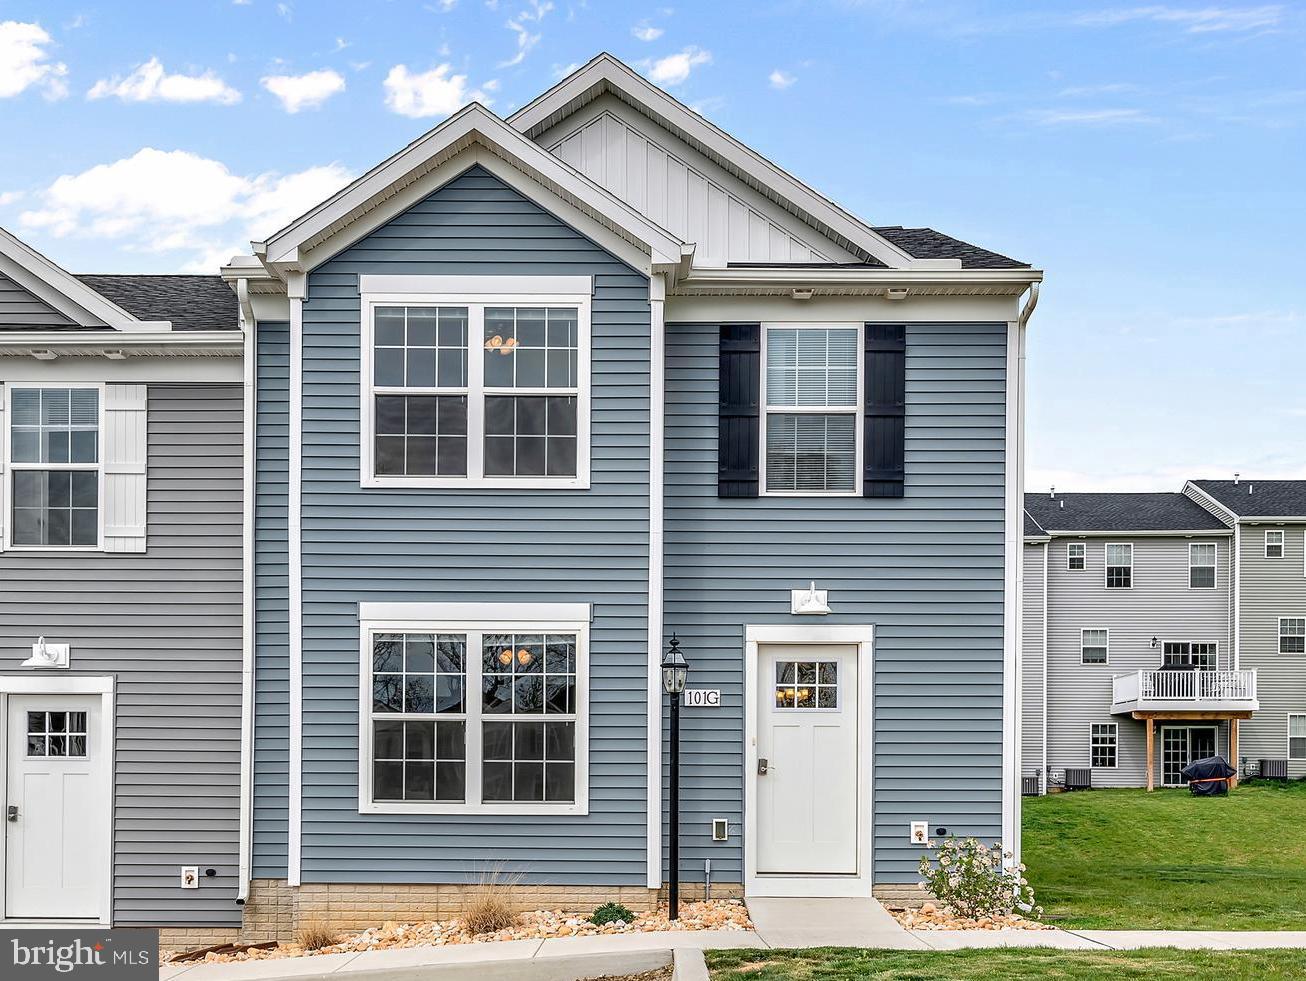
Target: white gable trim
x=64, y=292
x=606, y=73
x=350, y=213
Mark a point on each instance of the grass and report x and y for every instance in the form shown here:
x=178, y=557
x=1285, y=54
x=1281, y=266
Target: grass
x=844, y=964
x=1127, y=859
x=315, y=936
x=490, y=907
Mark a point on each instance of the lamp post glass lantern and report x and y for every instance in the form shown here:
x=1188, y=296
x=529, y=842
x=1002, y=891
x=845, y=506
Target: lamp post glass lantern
x=675, y=671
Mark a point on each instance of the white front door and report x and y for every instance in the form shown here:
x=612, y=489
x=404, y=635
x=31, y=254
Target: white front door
x=55, y=861
x=807, y=760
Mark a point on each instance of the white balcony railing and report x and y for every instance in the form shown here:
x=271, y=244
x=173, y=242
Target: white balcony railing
x=1185, y=689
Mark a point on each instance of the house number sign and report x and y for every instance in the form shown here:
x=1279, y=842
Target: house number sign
x=702, y=698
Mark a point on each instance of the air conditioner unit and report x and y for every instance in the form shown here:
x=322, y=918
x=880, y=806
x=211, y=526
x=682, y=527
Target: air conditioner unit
x=1079, y=778
x=1274, y=769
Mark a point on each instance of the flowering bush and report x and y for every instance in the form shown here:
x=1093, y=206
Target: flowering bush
x=974, y=880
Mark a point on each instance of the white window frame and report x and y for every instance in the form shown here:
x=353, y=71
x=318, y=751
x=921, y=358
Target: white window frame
x=1214, y=566
x=1115, y=744
x=1106, y=564
x=859, y=409
x=1281, y=544
x=1190, y=644
x=1279, y=648
x=474, y=620
x=1291, y=737
x=1083, y=556
x=1107, y=645
x=99, y=466
x=475, y=293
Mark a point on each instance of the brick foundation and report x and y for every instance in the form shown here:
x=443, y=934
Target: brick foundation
x=908, y=896
x=189, y=938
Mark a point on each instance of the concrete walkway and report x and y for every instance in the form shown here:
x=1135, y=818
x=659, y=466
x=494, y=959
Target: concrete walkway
x=828, y=923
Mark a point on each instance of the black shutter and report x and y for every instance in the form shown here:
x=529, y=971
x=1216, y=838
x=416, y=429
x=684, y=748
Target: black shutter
x=738, y=418
x=886, y=396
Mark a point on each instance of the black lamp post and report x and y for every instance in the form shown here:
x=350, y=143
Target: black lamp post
x=675, y=669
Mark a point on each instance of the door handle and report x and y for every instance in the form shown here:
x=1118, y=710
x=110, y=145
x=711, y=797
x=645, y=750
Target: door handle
x=12, y=814
x=762, y=767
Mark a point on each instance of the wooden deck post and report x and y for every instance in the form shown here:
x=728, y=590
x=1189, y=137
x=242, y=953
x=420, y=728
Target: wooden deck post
x=1151, y=753
x=1233, y=751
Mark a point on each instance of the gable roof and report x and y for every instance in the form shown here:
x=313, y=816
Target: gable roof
x=1089, y=513
x=606, y=74
x=188, y=302
x=76, y=300
x=926, y=243
x=1258, y=498
x=289, y=249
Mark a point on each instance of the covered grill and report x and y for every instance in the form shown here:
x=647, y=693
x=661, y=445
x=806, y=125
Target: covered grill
x=1208, y=777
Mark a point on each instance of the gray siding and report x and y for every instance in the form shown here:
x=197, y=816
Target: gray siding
x=1031, y=677
x=1160, y=605
x=272, y=638
x=487, y=546
x=1272, y=588
x=926, y=570
x=167, y=624
x=20, y=310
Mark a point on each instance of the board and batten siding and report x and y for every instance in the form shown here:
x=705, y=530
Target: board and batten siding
x=925, y=570
x=1031, y=673
x=167, y=624
x=475, y=545
x=1159, y=605
x=20, y=310
x=1272, y=588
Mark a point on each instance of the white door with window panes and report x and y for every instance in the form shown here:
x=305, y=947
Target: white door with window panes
x=807, y=810
x=1180, y=745
x=55, y=789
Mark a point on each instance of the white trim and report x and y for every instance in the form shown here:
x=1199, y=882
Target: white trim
x=249, y=488
x=474, y=620
x=1013, y=579
x=1115, y=738
x=1161, y=644
x=858, y=411
x=1278, y=647
x=8, y=469
x=1188, y=726
x=63, y=684
x=131, y=370
x=468, y=292
x=1290, y=737
x=1082, y=645
x=1214, y=566
x=493, y=287
x=1211, y=504
x=1282, y=543
x=1043, y=769
x=295, y=581
x=1191, y=533
x=1236, y=559
x=1106, y=565
x=139, y=343
x=656, y=548
x=1083, y=556
x=863, y=637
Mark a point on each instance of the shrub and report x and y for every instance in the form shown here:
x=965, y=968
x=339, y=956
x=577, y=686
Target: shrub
x=611, y=913
x=974, y=880
x=489, y=906
x=315, y=936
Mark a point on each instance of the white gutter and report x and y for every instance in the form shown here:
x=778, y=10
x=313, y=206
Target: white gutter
x=1127, y=533
x=297, y=284
x=1237, y=592
x=71, y=342
x=989, y=280
x=656, y=550
x=1043, y=772
x=248, y=491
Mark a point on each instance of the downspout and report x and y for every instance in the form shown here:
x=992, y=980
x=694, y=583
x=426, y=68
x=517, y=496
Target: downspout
x=1027, y=310
x=1237, y=591
x=1043, y=773
x=656, y=551
x=249, y=432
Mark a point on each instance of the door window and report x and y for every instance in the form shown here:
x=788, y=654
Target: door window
x=56, y=734
x=807, y=684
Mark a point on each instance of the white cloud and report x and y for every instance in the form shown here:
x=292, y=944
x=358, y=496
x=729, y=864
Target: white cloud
x=525, y=39
x=9, y=197
x=674, y=69
x=175, y=200
x=644, y=31
x=562, y=71
x=307, y=91
x=150, y=82
x=1089, y=117
x=1171, y=478
x=24, y=61
x=781, y=79
x=1194, y=20
x=434, y=93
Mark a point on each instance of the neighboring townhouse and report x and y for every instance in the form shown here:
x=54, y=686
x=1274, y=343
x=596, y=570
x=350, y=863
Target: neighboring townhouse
x=121, y=631
x=537, y=395
x=1129, y=671
x=1268, y=518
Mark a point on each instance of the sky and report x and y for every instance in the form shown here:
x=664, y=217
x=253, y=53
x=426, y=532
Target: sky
x=1148, y=157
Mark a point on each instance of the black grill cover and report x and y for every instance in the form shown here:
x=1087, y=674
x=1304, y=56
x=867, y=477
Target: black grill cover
x=1208, y=777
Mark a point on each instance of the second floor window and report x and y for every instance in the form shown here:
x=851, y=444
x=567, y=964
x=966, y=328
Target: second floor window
x=1093, y=646
x=1201, y=565
x=1274, y=544
x=1075, y=556
x=1119, y=566
x=1292, y=635
x=54, y=459
x=1185, y=655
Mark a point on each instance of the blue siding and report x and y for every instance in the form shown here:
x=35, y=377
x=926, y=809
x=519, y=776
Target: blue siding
x=272, y=667
x=487, y=546
x=926, y=571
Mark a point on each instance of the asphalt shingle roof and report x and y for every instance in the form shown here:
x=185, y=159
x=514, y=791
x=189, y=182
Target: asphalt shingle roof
x=1118, y=512
x=1259, y=498
x=926, y=243
x=190, y=302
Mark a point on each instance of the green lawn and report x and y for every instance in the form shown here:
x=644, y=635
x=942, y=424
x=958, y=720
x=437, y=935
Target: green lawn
x=1127, y=859
x=844, y=964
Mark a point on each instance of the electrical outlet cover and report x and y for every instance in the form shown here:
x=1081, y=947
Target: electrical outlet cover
x=190, y=877
x=920, y=832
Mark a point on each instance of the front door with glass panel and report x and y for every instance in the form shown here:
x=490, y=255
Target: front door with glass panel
x=807, y=814
x=55, y=866
x=1180, y=745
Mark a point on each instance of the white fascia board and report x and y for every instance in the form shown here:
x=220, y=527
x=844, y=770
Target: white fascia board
x=606, y=73
x=473, y=124
x=1214, y=504
x=71, y=343
x=65, y=292
x=828, y=280
x=1177, y=533
x=477, y=285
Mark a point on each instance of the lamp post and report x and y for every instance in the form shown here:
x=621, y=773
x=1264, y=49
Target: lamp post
x=675, y=669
